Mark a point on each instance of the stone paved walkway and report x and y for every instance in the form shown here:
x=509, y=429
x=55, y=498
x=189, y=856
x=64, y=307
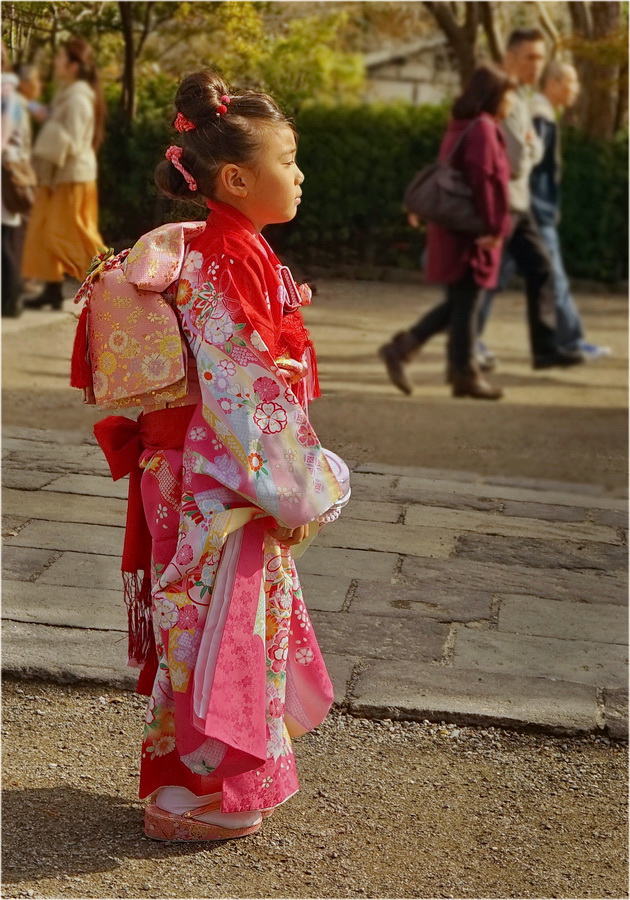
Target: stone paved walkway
x=437, y=595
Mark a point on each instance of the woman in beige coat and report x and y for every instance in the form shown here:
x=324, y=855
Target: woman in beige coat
x=63, y=236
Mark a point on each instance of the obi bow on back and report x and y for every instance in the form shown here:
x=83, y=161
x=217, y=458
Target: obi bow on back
x=129, y=349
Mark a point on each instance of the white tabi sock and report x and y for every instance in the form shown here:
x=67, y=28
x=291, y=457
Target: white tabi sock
x=178, y=800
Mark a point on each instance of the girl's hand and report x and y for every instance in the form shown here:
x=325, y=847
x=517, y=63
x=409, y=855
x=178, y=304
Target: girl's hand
x=413, y=220
x=489, y=241
x=289, y=536
x=292, y=370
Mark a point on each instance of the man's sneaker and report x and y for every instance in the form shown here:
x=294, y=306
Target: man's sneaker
x=594, y=351
x=560, y=357
x=485, y=358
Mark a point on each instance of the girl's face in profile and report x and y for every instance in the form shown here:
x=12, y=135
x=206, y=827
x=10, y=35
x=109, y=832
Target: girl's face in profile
x=273, y=182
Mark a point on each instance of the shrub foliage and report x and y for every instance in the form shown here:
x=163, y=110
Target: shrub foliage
x=357, y=160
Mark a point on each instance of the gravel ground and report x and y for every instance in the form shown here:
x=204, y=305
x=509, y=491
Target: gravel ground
x=386, y=809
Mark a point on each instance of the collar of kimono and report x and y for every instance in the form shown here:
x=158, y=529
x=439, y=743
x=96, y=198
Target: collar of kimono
x=229, y=217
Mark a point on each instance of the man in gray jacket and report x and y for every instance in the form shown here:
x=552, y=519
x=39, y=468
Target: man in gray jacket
x=524, y=61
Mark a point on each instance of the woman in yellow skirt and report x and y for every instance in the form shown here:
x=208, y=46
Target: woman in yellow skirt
x=63, y=235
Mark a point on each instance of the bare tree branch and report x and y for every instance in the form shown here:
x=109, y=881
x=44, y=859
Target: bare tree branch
x=491, y=29
x=461, y=38
x=548, y=26
x=471, y=21
x=128, y=98
x=445, y=18
x=146, y=28
x=581, y=17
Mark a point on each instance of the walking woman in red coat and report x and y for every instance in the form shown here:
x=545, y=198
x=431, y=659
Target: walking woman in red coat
x=464, y=263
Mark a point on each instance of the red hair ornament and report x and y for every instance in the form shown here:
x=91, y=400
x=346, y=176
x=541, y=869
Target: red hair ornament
x=182, y=124
x=222, y=108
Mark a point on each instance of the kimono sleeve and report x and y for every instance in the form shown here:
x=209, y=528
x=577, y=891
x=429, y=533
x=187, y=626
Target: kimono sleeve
x=261, y=443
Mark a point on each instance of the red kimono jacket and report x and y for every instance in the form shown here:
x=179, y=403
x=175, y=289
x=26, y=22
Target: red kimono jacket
x=254, y=267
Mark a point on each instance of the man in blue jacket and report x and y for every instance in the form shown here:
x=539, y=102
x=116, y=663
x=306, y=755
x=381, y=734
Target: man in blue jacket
x=524, y=61
x=559, y=89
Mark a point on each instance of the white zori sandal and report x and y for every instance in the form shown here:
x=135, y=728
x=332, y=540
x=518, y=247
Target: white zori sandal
x=176, y=814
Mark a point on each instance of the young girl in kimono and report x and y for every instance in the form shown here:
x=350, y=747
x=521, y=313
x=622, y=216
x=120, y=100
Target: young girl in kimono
x=233, y=476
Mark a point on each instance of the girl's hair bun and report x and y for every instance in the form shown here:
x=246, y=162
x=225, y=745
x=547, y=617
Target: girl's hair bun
x=225, y=130
x=199, y=95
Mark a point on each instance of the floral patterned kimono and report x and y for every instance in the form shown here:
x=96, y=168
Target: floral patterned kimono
x=239, y=672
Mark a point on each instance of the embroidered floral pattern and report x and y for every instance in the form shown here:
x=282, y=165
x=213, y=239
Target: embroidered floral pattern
x=304, y=655
x=266, y=388
x=188, y=617
x=118, y=341
x=306, y=436
x=186, y=646
x=227, y=367
x=184, y=555
x=198, y=434
x=270, y=418
x=166, y=613
x=227, y=470
x=184, y=292
x=107, y=363
x=155, y=367
x=164, y=745
x=193, y=262
x=218, y=331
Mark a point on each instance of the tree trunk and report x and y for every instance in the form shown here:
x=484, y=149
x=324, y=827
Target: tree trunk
x=461, y=37
x=128, y=97
x=548, y=27
x=489, y=24
x=146, y=28
x=596, y=27
x=621, y=113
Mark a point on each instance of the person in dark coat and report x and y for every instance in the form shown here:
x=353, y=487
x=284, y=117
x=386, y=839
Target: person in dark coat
x=466, y=264
x=559, y=90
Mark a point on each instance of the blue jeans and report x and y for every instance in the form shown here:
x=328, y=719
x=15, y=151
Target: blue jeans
x=569, y=331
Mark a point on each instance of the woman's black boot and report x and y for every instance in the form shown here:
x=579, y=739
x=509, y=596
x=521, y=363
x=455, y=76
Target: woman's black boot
x=52, y=296
x=395, y=355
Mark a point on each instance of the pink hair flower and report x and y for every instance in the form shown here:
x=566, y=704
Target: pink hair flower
x=174, y=155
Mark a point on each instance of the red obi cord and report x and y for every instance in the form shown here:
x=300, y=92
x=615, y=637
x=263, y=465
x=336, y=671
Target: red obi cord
x=123, y=441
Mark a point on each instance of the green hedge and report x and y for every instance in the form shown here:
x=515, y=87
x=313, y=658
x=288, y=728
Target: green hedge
x=357, y=161
x=129, y=204
x=594, y=224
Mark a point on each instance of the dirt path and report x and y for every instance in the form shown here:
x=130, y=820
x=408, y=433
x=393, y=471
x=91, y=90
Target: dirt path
x=567, y=425
x=385, y=810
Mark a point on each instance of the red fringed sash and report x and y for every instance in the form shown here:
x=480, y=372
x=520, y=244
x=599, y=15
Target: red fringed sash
x=296, y=341
x=123, y=442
